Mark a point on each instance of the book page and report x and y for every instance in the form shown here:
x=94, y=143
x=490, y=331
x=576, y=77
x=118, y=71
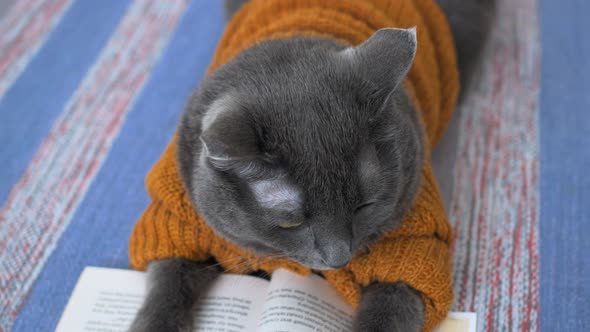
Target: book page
x=295, y=303
x=459, y=322
x=233, y=304
x=107, y=300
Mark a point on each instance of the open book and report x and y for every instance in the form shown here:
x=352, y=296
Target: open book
x=107, y=300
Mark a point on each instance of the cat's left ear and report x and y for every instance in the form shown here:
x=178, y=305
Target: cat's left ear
x=385, y=58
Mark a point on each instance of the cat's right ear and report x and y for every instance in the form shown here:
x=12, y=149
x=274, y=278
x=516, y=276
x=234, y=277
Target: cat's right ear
x=385, y=58
x=229, y=144
x=228, y=139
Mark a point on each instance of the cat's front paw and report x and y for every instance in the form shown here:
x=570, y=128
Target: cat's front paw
x=156, y=323
x=175, y=286
x=390, y=307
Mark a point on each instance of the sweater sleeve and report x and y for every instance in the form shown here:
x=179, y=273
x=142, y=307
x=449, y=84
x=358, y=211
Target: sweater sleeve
x=416, y=253
x=169, y=227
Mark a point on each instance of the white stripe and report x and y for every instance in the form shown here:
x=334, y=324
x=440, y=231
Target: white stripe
x=512, y=147
x=18, y=30
x=78, y=139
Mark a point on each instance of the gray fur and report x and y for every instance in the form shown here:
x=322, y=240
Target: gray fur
x=470, y=23
x=174, y=285
x=298, y=116
x=390, y=307
x=231, y=6
x=333, y=139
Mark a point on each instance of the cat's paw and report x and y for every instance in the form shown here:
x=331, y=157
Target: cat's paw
x=175, y=285
x=390, y=307
x=156, y=324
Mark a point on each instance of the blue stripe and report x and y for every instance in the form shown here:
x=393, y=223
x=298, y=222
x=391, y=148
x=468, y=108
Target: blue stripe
x=100, y=229
x=30, y=107
x=565, y=163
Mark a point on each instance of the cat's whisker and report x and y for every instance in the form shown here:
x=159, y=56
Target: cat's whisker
x=219, y=263
x=258, y=261
x=242, y=258
x=245, y=268
x=265, y=274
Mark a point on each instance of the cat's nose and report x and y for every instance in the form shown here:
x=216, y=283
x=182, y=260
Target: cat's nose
x=341, y=262
x=337, y=255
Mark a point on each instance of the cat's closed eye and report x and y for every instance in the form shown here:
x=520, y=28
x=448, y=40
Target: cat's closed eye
x=363, y=206
x=290, y=225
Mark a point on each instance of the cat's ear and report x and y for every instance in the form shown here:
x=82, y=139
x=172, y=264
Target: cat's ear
x=229, y=144
x=385, y=58
x=227, y=137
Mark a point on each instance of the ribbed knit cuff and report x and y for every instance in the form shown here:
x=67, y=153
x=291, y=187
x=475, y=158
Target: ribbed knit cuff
x=422, y=263
x=160, y=234
x=416, y=253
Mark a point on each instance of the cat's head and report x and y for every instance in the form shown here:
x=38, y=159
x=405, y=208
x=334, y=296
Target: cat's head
x=305, y=148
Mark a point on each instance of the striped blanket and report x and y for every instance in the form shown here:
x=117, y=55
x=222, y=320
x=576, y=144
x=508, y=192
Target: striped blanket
x=91, y=91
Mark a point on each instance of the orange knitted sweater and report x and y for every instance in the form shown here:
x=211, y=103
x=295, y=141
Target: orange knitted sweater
x=418, y=251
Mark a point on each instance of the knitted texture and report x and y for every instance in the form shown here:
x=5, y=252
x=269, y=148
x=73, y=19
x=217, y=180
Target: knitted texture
x=418, y=251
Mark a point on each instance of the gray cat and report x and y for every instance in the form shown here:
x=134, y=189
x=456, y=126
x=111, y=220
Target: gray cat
x=349, y=174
